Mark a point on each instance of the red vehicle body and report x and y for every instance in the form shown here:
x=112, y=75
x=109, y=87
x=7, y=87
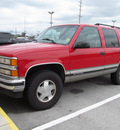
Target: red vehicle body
x=38, y=70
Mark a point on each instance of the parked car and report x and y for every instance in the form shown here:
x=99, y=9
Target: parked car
x=22, y=40
x=62, y=54
x=6, y=38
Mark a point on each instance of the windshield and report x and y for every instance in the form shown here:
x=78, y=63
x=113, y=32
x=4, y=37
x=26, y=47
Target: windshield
x=58, y=34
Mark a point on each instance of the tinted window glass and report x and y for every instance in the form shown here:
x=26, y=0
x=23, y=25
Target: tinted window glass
x=90, y=36
x=110, y=38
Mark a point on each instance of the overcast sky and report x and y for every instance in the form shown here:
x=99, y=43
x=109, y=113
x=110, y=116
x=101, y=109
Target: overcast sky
x=13, y=13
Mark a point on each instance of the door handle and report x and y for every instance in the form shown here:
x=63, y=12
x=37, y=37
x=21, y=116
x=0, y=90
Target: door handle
x=102, y=53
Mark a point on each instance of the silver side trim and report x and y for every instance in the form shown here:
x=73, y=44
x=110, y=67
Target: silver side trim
x=87, y=70
x=111, y=66
x=80, y=74
x=91, y=69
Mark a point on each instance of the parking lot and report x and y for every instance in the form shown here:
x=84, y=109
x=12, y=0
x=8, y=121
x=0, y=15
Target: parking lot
x=76, y=109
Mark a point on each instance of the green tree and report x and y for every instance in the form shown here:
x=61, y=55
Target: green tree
x=23, y=34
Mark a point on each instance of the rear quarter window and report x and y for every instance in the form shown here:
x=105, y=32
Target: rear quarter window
x=110, y=37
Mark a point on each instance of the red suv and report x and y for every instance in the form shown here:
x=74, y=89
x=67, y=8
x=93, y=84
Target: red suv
x=62, y=54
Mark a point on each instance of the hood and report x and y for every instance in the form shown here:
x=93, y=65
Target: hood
x=23, y=48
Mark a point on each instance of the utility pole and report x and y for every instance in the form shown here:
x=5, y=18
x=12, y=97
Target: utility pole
x=51, y=13
x=25, y=25
x=15, y=31
x=80, y=11
x=113, y=22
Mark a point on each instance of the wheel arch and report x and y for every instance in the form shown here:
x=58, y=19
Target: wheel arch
x=56, y=67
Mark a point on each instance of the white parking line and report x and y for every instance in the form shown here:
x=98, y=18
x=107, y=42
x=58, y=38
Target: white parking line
x=75, y=114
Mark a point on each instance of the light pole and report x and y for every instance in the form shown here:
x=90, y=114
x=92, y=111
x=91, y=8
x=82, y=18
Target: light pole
x=80, y=11
x=51, y=13
x=113, y=22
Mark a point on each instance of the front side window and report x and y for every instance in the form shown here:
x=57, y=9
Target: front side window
x=58, y=34
x=110, y=37
x=89, y=36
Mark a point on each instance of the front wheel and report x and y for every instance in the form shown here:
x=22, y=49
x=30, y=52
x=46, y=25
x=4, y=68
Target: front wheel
x=43, y=89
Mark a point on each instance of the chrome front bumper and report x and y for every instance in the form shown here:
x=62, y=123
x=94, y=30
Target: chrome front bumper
x=12, y=86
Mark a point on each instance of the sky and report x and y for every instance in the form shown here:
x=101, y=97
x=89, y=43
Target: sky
x=17, y=16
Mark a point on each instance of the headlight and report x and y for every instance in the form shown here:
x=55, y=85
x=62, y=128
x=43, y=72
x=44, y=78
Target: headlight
x=2, y=60
x=8, y=61
x=6, y=72
x=9, y=66
x=13, y=73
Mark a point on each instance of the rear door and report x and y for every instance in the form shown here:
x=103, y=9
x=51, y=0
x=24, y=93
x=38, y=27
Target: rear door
x=112, y=50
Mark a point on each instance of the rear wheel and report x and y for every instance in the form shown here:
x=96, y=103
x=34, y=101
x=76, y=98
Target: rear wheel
x=115, y=77
x=43, y=89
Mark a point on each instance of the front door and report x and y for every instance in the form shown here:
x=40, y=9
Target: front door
x=87, y=61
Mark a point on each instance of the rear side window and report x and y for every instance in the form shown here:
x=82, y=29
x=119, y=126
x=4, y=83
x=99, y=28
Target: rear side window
x=110, y=37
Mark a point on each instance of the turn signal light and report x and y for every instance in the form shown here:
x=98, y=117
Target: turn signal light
x=14, y=62
x=14, y=73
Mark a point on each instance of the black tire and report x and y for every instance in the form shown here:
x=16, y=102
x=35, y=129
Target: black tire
x=115, y=77
x=43, y=89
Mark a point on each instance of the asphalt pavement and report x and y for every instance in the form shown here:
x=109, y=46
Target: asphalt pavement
x=91, y=104
x=5, y=122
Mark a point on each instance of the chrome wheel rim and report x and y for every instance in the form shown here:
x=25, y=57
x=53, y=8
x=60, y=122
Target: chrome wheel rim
x=46, y=91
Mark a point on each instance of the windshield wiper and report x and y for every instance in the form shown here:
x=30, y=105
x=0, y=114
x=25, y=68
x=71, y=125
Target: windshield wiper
x=49, y=40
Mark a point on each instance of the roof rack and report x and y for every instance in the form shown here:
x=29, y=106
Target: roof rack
x=107, y=25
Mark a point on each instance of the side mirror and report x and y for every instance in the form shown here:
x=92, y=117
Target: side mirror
x=81, y=45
